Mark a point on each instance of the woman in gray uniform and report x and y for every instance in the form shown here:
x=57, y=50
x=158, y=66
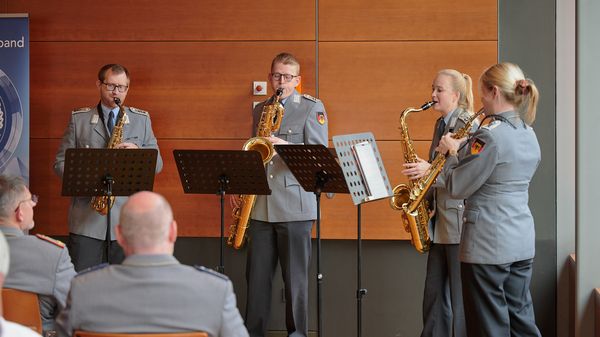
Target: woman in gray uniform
x=443, y=313
x=498, y=240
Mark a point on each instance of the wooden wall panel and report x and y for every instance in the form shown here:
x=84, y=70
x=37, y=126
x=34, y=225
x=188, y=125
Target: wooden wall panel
x=192, y=90
x=366, y=85
x=364, y=20
x=182, y=20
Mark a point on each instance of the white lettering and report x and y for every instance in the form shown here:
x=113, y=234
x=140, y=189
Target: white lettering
x=13, y=43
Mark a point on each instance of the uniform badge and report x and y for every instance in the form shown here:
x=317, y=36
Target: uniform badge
x=321, y=117
x=296, y=98
x=51, y=240
x=477, y=146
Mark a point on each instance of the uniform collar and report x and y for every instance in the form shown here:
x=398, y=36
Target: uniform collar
x=150, y=260
x=11, y=231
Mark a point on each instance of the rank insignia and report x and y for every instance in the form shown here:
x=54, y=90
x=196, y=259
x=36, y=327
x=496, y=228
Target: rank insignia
x=321, y=117
x=477, y=146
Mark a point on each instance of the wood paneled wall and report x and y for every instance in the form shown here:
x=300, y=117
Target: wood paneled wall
x=193, y=63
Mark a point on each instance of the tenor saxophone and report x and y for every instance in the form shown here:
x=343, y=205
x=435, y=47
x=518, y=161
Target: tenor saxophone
x=415, y=223
x=423, y=184
x=270, y=121
x=101, y=203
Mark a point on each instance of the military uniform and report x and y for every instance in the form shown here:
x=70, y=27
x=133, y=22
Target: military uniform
x=87, y=129
x=498, y=239
x=40, y=265
x=281, y=223
x=151, y=294
x=443, y=313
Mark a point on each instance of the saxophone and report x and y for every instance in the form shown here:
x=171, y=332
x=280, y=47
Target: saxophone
x=415, y=223
x=101, y=203
x=270, y=121
x=423, y=184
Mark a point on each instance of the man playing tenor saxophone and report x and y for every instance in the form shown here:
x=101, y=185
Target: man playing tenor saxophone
x=92, y=127
x=281, y=223
x=443, y=313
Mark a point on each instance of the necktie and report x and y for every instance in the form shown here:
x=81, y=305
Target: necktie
x=111, y=121
x=439, y=132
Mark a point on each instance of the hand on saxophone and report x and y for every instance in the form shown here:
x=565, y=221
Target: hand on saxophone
x=127, y=146
x=449, y=145
x=416, y=170
x=277, y=141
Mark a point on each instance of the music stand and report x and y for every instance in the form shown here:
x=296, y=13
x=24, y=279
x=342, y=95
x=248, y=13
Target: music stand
x=367, y=181
x=219, y=172
x=317, y=171
x=108, y=172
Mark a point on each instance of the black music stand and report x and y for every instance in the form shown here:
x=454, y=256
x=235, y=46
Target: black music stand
x=317, y=171
x=108, y=172
x=367, y=181
x=219, y=172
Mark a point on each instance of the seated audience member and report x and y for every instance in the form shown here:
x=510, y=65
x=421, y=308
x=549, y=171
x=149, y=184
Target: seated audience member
x=39, y=264
x=151, y=292
x=9, y=329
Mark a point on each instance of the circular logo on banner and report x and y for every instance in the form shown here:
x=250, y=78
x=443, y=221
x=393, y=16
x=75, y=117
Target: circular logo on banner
x=11, y=120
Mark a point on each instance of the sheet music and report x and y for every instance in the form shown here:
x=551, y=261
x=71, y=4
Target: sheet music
x=367, y=164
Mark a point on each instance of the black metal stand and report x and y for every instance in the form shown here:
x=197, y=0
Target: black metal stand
x=110, y=173
x=220, y=172
x=360, y=291
x=316, y=169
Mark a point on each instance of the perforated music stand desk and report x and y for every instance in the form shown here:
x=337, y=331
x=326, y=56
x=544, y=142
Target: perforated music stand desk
x=108, y=172
x=219, y=172
x=316, y=169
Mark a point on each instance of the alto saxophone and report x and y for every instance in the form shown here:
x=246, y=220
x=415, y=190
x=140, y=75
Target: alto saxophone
x=270, y=121
x=101, y=203
x=421, y=186
x=415, y=223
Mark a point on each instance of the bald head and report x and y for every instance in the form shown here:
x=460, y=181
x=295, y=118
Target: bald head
x=146, y=224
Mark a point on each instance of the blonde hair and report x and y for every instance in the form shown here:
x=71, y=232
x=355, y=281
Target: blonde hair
x=462, y=84
x=516, y=89
x=287, y=59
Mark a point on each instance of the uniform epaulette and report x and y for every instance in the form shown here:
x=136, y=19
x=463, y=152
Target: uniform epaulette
x=51, y=240
x=491, y=125
x=465, y=116
x=211, y=272
x=92, y=268
x=139, y=111
x=309, y=97
x=82, y=109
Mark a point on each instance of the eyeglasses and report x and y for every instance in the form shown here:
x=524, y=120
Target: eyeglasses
x=34, y=199
x=286, y=77
x=111, y=87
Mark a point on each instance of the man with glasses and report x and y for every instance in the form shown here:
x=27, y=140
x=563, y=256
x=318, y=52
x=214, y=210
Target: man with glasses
x=38, y=263
x=281, y=223
x=91, y=127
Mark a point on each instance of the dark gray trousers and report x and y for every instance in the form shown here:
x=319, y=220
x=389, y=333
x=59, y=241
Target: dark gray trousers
x=443, y=314
x=88, y=252
x=288, y=242
x=497, y=299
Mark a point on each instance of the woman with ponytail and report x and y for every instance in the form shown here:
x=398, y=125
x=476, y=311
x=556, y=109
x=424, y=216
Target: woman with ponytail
x=497, y=246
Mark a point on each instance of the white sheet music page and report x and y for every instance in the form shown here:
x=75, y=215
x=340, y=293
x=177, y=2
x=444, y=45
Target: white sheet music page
x=369, y=169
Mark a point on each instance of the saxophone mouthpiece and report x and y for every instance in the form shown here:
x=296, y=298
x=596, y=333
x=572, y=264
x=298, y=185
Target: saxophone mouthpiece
x=428, y=105
x=118, y=101
x=279, y=92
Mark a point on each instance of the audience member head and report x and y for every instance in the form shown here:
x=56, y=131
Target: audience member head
x=452, y=89
x=505, y=82
x=146, y=225
x=16, y=203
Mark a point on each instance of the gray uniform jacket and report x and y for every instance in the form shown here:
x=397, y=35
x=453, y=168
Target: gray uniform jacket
x=86, y=130
x=151, y=294
x=494, y=179
x=39, y=265
x=448, y=211
x=304, y=122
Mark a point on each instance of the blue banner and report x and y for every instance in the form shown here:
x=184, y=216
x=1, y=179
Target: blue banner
x=14, y=94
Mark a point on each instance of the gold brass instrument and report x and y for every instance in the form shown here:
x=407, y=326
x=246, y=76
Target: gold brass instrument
x=415, y=223
x=101, y=203
x=270, y=121
x=423, y=184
